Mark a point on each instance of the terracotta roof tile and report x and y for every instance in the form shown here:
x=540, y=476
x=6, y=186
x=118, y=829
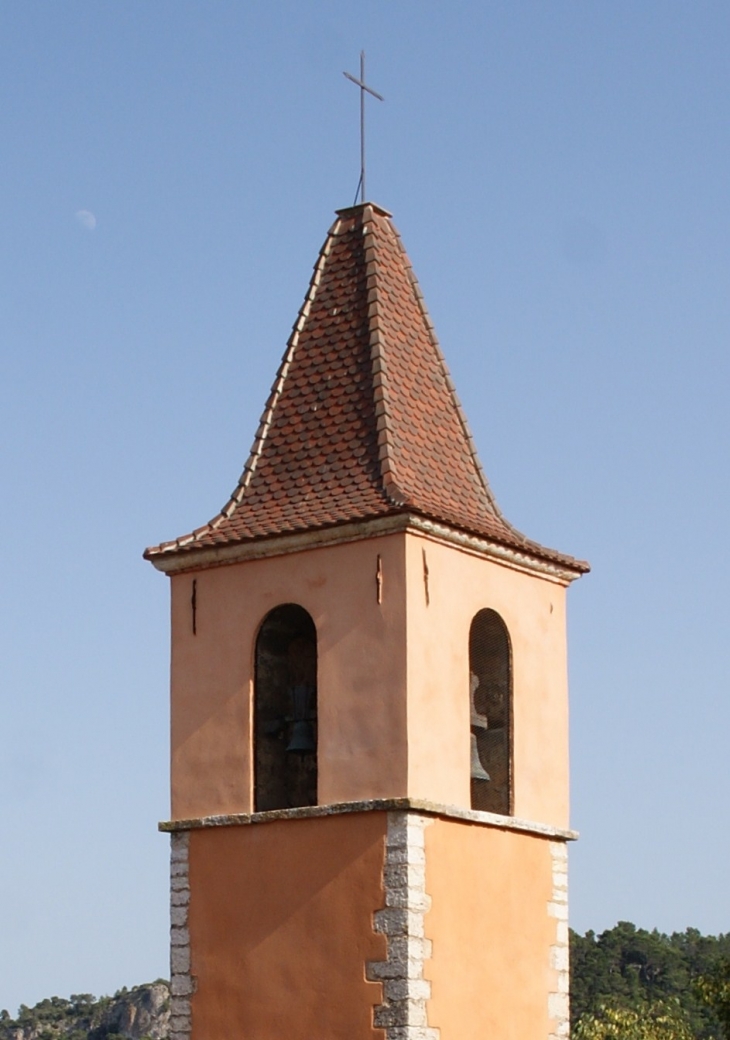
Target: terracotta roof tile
x=363, y=419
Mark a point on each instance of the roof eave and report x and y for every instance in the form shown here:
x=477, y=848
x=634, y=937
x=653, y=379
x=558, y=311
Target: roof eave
x=175, y=558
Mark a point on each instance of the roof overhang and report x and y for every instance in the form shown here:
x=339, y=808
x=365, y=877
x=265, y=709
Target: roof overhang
x=177, y=561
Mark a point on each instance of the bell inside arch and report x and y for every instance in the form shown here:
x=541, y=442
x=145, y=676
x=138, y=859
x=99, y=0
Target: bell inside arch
x=477, y=770
x=302, y=738
x=478, y=722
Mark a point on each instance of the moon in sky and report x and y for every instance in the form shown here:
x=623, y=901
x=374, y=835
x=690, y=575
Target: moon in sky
x=86, y=219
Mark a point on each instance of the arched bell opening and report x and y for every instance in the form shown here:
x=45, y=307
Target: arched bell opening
x=490, y=702
x=285, y=710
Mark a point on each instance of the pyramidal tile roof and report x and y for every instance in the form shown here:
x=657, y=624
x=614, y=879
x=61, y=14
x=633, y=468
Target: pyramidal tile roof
x=363, y=420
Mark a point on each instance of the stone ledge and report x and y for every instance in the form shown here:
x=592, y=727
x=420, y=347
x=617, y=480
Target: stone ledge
x=446, y=812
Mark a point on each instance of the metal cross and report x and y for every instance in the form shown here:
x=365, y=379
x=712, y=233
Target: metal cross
x=363, y=87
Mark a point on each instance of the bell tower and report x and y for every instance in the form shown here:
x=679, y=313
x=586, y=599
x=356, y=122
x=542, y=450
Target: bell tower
x=369, y=715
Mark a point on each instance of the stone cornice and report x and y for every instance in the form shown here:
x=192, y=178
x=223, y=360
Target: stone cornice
x=447, y=812
x=282, y=545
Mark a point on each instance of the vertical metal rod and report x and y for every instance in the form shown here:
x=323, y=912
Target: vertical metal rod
x=363, y=88
x=362, y=127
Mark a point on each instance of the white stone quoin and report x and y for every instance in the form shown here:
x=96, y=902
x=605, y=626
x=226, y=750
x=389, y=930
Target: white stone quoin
x=181, y=981
x=559, y=999
x=403, y=1013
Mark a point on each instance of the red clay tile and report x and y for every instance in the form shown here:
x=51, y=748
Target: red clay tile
x=363, y=419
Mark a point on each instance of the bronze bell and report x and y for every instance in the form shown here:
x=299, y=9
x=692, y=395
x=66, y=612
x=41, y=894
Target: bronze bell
x=302, y=734
x=478, y=721
x=477, y=770
x=302, y=738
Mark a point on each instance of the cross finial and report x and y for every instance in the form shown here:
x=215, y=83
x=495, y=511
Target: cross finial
x=363, y=87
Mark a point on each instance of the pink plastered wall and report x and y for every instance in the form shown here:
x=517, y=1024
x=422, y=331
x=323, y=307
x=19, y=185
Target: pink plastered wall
x=533, y=608
x=281, y=928
x=490, y=971
x=393, y=676
x=361, y=672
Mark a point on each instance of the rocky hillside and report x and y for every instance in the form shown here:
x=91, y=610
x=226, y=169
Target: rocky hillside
x=142, y=1013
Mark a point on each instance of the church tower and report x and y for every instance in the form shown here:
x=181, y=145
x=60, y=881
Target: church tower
x=369, y=704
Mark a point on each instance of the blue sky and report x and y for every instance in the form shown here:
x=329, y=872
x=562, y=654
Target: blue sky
x=559, y=173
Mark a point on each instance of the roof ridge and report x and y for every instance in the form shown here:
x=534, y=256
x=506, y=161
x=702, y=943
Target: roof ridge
x=265, y=422
x=431, y=330
x=379, y=367
x=262, y=430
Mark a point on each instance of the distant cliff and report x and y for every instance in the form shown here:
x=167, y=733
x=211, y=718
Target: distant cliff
x=142, y=1013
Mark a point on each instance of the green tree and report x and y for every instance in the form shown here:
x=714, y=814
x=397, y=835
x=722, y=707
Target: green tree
x=658, y=1021
x=629, y=967
x=713, y=988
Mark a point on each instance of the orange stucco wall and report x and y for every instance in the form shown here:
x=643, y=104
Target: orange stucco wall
x=490, y=970
x=361, y=673
x=393, y=676
x=533, y=608
x=281, y=928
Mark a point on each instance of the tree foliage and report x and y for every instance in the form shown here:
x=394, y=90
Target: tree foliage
x=630, y=968
x=713, y=988
x=662, y=1020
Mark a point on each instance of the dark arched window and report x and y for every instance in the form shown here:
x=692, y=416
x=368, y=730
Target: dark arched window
x=285, y=710
x=490, y=692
